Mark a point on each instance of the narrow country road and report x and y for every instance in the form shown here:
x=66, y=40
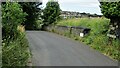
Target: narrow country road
x=49, y=49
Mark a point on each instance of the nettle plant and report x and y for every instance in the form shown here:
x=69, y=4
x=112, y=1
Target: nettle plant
x=12, y=16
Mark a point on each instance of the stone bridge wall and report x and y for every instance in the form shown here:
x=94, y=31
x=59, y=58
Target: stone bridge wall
x=66, y=29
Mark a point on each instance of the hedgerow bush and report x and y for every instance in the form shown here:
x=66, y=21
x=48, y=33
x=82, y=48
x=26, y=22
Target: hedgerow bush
x=14, y=44
x=12, y=16
x=97, y=38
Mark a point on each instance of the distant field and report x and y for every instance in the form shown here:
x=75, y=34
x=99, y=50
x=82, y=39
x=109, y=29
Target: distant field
x=97, y=38
x=83, y=21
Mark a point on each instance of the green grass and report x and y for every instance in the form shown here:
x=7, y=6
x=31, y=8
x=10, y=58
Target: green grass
x=15, y=52
x=97, y=37
x=82, y=21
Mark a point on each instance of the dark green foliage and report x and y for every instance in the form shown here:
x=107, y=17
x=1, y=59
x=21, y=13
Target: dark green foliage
x=12, y=16
x=111, y=10
x=33, y=11
x=51, y=13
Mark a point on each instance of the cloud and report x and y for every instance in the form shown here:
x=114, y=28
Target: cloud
x=91, y=6
x=84, y=3
x=78, y=1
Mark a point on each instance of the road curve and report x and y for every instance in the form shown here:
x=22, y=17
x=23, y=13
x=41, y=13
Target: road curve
x=49, y=49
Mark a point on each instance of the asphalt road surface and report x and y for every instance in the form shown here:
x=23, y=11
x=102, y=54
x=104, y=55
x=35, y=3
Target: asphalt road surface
x=49, y=49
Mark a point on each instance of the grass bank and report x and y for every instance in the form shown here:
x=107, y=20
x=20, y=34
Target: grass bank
x=97, y=38
x=15, y=52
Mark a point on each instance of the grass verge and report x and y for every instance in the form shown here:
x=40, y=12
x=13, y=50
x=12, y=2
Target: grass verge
x=97, y=38
x=15, y=52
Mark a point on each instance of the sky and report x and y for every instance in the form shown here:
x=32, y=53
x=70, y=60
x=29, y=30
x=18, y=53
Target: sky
x=87, y=6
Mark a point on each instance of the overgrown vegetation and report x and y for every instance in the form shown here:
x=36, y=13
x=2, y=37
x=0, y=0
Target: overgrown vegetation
x=97, y=38
x=14, y=44
x=15, y=53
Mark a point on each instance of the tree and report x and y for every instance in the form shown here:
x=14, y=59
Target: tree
x=111, y=10
x=33, y=10
x=51, y=13
x=12, y=16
